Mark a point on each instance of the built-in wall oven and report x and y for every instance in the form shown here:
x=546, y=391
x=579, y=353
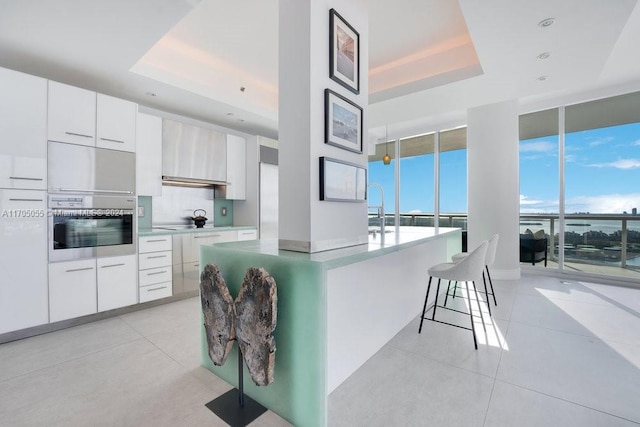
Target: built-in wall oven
x=87, y=226
x=91, y=202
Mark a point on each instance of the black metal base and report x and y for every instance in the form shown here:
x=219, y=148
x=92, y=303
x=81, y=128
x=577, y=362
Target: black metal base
x=228, y=408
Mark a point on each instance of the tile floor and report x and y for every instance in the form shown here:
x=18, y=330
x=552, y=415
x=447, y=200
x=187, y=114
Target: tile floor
x=553, y=354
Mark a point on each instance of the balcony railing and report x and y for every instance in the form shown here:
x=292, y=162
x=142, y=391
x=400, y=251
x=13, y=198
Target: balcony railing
x=611, y=240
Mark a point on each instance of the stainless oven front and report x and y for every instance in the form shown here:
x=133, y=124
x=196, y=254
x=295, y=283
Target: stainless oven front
x=87, y=226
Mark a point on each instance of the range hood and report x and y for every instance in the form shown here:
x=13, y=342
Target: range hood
x=193, y=156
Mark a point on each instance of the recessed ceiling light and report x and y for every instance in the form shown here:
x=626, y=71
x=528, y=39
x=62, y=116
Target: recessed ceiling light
x=242, y=88
x=546, y=22
x=544, y=55
x=150, y=93
x=241, y=120
x=542, y=78
x=229, y=114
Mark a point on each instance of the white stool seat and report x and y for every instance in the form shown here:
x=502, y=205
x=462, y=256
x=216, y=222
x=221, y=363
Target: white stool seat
x=489, y=260
x=467, y=270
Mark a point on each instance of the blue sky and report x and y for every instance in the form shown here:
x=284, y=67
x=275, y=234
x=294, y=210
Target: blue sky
x=602, y=175
x=417, y=191
x=602, y=171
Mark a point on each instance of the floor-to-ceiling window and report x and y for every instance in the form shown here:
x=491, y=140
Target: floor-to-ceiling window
x=539, y=177
x=602, y=185
x=597, y=184
x=418, y=181
x=383, y=175
x=453, y=178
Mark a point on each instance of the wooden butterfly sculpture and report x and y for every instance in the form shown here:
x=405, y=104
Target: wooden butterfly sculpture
x=250, y=320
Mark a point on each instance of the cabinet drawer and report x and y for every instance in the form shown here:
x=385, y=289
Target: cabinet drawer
x=154, y=244
x=154, y=260
x=156, y=291
x=247, y=235
x=154, y=275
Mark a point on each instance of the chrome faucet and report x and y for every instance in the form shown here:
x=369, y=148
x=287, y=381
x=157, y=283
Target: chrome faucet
x=380, y=208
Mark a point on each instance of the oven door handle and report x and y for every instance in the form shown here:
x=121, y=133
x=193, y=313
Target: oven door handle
x=77, y=190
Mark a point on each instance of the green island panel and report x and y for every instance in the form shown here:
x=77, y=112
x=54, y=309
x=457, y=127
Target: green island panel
x=299, y=392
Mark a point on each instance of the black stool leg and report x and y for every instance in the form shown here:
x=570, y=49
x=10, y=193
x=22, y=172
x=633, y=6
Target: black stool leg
x=455, y=288
x=435, y=302
x=446, y=295
x=473, y=328
x=479, y=307
x=425, y=305
x=486, y=293
x=491, y=283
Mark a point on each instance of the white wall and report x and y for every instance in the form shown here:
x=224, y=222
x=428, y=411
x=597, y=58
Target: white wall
x=306, y=223
x=493, y=182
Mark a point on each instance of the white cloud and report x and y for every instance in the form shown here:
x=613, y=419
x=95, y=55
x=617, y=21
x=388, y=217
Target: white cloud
x=605, y=203
x=570, y=158
x=538, y=147
x=619, y=164
x=637, y=142
x=601, y=141
x=530, y=206
x=524, y=200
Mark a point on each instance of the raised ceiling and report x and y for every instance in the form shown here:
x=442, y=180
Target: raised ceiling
x=430, y=60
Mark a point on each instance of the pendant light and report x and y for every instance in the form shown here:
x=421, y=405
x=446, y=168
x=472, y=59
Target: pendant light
x=386, y=159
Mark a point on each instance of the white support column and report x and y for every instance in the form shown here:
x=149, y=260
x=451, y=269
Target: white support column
x=307, y=224
x=493, y=182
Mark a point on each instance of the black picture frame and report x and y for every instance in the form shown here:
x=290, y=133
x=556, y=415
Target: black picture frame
x=342, y=122
x=344, y=52
x=342, y=181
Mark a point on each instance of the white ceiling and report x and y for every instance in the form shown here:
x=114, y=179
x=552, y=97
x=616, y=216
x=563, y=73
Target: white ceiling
x=430, y=60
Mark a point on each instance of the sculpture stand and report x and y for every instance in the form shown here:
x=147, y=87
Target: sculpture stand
x=233, y=407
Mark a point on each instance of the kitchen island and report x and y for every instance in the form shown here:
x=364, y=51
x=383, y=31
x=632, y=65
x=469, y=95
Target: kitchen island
x=336, y=309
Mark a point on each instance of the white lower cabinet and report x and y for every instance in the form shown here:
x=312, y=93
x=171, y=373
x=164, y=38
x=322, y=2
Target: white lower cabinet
x=155, y=273
x=117, y=282
x=72, y=289
x=23, y=259
x=247, y=235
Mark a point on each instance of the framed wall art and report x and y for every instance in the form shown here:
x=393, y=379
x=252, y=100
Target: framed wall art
x=342, y=122
x=344, y=52
x=342, y=181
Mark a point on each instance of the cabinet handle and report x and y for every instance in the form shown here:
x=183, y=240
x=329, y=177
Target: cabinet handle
x=208, y=235
x=79, y=269
x=156, y=289
x=26, y=200
x=157, y=272
x=157, y=256
x=113, y=265
x=25, y=178
x=112, y=140
x=79, y=134
x=156, y=240
x=78, y=190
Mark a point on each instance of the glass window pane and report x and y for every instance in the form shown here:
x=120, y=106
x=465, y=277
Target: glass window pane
x=416, y=181
x=453, y=178
x=602, y=197
x=382, y=174
x=539, y=182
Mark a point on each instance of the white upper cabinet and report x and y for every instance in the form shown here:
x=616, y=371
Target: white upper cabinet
x=149, y=155
x=23, y=131
x=116, y=123
x=236, y=168
x=72, y=114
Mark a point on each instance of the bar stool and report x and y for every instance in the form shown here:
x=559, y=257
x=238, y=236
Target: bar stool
x=467, y=270
x=490, y=259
